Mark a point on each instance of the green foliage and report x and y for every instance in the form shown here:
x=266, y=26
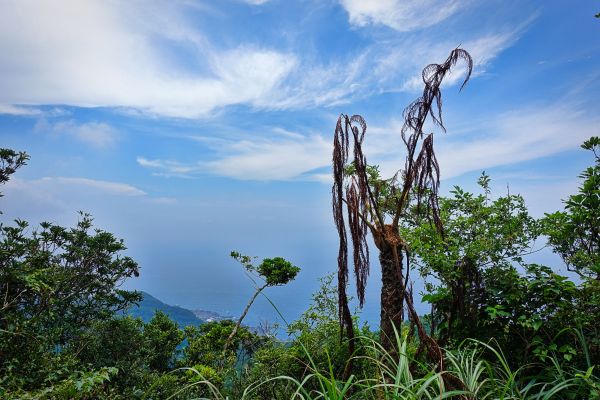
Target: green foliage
x=63, y=336
x=162, y=336
x=117, y=342
x=472, y=264
x=317, y=333
x=54, y=283
x=481, y=288
x=274, y=271
x=272, y=360
x=10, y=161
x=205, y=344
x=575, y=232
x=385, y=191
x=81, y=385
x=316, y=346
x=468, y=376
x=184, y=383
x=277, y=271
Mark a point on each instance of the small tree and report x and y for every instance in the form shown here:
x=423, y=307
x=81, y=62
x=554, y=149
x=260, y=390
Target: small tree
x=272, y=271
x=54, y=283
x=483, y=238
x=161, y=337
x=575, y=232
x=117, y=342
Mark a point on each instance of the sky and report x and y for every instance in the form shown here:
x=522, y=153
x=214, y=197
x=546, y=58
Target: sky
x=193, y=128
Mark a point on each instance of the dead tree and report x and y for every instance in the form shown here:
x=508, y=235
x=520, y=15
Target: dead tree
x=364, y=202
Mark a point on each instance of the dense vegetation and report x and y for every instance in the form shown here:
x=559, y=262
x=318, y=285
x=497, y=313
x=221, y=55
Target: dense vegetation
x=511, y=328
x=500, y=326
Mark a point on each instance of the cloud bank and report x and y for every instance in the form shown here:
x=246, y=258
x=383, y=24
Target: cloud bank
x=512, y=137
x=93, y=53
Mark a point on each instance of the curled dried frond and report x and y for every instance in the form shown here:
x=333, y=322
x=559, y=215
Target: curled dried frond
x=427, y=182
x=340, y=156
x=358, y=198
x=358, y=232
x=422, y=174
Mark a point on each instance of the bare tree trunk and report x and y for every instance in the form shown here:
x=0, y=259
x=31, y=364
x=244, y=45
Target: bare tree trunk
x=239, y=322
x=392, y=298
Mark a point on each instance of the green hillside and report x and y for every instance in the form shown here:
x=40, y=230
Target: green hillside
x=150, y=304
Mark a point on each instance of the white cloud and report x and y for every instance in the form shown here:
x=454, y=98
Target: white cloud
x=169, y=168
x=256, y=2
x=388, y=66
x=56, y=198
x=98, y=53
x=129, y=55
x=95, y=134
x=516, y=136
x=401, y=15
x=401, y=66
x=510, y=138
x=106, y=187
x=287, y=156
x=144, y=162
x=273, y=160
x=31, y=111
x=313, y=84
x=50, y=196
x=8, y=109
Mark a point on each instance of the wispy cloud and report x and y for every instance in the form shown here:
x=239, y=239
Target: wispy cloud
x=57, y=197
x=8, y=109
x=98, y=53
x=389, y=66
x=106, y=187
x=63, y=194
x=399, y=67
x=523, y=134
x=95, y=134
x=516, y=136
x=401, y=15
x=256, y=2
x=113, y=54
x=31, y=111
x=168, y=168
x=286, y=156
x=273, y=160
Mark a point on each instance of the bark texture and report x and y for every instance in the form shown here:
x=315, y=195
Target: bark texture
x=392, y=298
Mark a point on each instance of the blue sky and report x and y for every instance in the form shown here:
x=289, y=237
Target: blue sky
x=193, y=128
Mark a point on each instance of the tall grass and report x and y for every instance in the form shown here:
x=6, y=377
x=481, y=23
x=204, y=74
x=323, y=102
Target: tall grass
x=480, y=370
x=480, y=377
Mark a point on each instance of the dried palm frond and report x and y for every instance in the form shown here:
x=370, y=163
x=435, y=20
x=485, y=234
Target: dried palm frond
x=362, y=198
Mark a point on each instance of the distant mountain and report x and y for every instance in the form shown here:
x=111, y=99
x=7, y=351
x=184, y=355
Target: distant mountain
x=149, y=305
x=209, y=316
